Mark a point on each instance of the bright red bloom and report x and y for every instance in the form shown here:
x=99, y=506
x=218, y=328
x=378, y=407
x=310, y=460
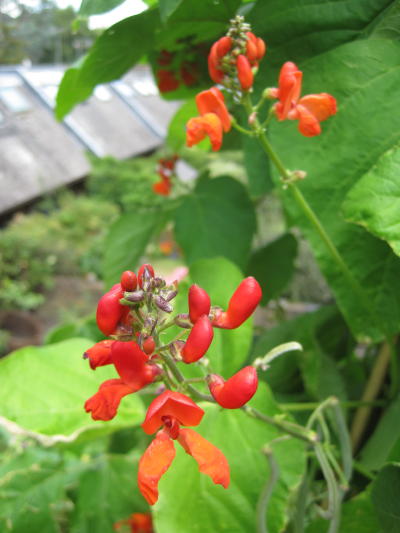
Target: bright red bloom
x=110, y=311
x=216, y=74
x=198, y=128
x=163, y=187
x=175, y=404
x=99, y=354
x=141, y=270
x=149, y=345
x=213, y=101
x=135, y=373
x=309, y=110
x=199, y=303
x=104, y=404
x=244, y=72
x=237, y=390
x=199, y=340
x=138, y=522
x=172, y=410
x=241, y=305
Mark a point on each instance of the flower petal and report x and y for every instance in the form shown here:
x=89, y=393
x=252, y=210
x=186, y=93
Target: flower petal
x=173, y=404
x=210, y=459
x=308, y=123
x=104, y=404
x=198, y=127
x=290, y=78
x=322, y=106
x=130, y=363
x=212, y=101
x=153, y=464
x=99, y=354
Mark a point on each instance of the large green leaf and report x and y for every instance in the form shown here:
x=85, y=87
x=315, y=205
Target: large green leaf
x=93, y=7
x=190, y=503
x=318, y=369
x=386, y=496
x=127, y=241
x=216, y=219
x=112, y=54
x=334, y=161
x=43, y=389
x=374, y=202
x=107, y=493
x=167, y=7
x=384, y=438
x=273, y=265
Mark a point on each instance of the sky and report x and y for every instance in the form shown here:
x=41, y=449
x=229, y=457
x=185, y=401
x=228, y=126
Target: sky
x=128, y=8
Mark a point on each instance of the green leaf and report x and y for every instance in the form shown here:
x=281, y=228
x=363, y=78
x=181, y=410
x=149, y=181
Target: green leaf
x=216, y=219
x=273, y=265
x=386, y=496
x=113, y=53
x=93, y=7
x=386, y=24
x=127, y=241
x=230, y=348
x=386, y=434
x=318, y=370
x=167, y=7
x=189, y=502
x=43, y=389
x=332, y=172
x=108, y=492
x=33, y=485
x=257, y=167
x=374, y=202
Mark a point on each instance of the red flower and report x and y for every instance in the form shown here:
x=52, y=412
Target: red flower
x=237, y=390
x=138, y=522
x=135, y=373
x=172, y=409
x=198, y=128
x=213, y=101
x=309, y=110
x=163, y=187
x=166, y=81
x=99, y=354
x=199, y=303
x=109, y=310
x=199, y=340
x=244, y=72
x=241, y=305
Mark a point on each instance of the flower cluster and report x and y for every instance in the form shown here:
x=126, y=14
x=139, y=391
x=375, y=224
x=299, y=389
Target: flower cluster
x=232, y=63
x=165, y=170
x=134, y=313
x=175, y=71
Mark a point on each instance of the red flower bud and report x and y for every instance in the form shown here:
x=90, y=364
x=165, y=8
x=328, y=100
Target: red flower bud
x=223, y=46
x=199, y=303
x=244, y=72
x=128, y=281
x=251, y=51
x=109, y=310
x=235, y=392
x=167, y=81
x=251, y=37
x=141, y=272
x=216, y=74
x=261, y=48
x=199, y=340
x=149, y=345
x=163, y=187
x=241, y=305
x=138, y=522
x=99, y=354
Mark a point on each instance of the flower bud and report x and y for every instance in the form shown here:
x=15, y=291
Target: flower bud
x=145, y=273
x=128, y=281
x=223, y=46
x=199, y=340
x=169, y=295
x=182, y=320
x=199, y=303
x=241, y=305
x=175, y=349
x=244, y=72
x=110, y=310
x=135, y=297
x=237, y=390
x=261, y=48
x=148, y=345
x=251, y=51
x=162, y=304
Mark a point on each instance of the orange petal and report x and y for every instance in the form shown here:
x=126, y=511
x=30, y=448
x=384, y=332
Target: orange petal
x=153, y=464
x=209, y=124
x=322, y=106
x=290, y=79
x=308, y=123
x=104, y=404
x=173, y=404
x=212, y=101
x=210, y=459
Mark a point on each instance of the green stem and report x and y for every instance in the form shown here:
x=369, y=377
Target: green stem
x=240, y=128
x=310, y=406
x=266, y=493
x=334, y=500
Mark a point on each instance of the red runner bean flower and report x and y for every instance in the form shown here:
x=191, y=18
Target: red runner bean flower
x=237, y=390
x=138, y=523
